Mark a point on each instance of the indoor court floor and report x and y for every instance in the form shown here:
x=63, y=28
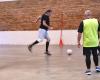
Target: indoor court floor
x=17, y=63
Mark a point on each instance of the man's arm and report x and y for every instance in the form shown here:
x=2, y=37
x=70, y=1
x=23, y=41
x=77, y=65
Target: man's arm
x=80, y=30
x=49, y=27
x=44, y=23
x=98, y=29
x=79, y=39
x=37, y=20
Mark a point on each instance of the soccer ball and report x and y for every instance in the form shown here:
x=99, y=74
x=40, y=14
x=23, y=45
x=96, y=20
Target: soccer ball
x=69, y=52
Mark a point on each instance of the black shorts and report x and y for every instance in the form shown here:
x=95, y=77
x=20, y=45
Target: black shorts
x=88, y=50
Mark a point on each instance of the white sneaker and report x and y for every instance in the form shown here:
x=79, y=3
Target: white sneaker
x=88, y=72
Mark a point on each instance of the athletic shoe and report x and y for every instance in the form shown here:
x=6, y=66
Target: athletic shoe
x=30, y=48
x=88, y=72
x=48, y=53
x=97, y=69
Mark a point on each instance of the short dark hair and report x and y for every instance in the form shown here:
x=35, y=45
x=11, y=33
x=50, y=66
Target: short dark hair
x=48, y=11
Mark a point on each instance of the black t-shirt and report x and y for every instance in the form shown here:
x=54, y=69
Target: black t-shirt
x=80, y=29
x=46, y=19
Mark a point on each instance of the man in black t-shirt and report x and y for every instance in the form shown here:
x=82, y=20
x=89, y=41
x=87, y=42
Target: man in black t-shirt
x=43, y=31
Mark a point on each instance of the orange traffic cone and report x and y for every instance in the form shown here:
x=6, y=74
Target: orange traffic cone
x=61, y=41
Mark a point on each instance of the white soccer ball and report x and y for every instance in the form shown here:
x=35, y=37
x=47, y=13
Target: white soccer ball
x=69, y=51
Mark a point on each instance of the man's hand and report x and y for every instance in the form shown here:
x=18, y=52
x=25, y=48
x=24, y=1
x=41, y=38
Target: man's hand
x=78, y=40
x=78, y=45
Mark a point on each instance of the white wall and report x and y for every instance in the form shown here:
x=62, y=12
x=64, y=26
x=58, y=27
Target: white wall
x=27, y=37
x=6, y=0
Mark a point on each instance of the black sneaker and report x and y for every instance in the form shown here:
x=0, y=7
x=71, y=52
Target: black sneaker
x=48, y=53
x=30, y=48
x=88, y=72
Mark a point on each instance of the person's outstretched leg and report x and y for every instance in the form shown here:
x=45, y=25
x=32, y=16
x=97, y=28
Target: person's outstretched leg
x=41, y=36
x=30, y=46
